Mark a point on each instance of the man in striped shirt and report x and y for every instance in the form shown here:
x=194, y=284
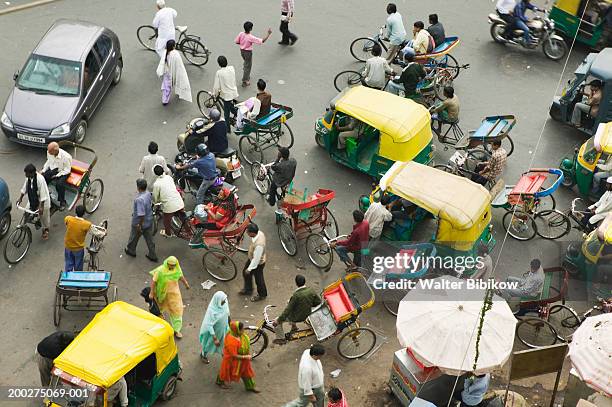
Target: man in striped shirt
x=287, y=13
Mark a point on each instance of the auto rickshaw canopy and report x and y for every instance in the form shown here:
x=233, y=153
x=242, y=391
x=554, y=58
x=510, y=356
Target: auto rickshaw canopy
x=462, y=206
x=602, y=65
x=603, y=137
x=116, y=340
x=571, y=6
x=404, y=125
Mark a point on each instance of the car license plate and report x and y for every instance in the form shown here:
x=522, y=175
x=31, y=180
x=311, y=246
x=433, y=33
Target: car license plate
x=236, y=173
x=34, y=139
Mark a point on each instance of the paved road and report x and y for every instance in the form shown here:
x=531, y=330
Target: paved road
x=500, y=81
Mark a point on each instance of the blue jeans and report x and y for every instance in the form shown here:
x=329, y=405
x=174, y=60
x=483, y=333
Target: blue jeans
x=73, y=261
x=520, y=24
x=394, y=88
x=408, y=50
x=201, y=194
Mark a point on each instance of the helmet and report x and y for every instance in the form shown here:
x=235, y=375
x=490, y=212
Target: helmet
x=214, y=114
x=201, y=150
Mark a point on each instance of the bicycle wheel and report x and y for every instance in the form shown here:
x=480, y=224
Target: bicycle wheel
x=250, y=150
x=346, y=79
x=520, y=225
x=565, y=321
x=17, y=244
x=536, y=333
x=552, y=224
x=507, y=144
x=147, y=36
x=194, y=51
x=356, y=342
x=361, y=48
x=287, y=237
x=207, y=101
x=219, y=265
x=331, y=226
x=260, y=177
x=285, y=138
x=452, y=65
x=319, y=252
x=258, y=339
x=93, y=195
x=545, y=203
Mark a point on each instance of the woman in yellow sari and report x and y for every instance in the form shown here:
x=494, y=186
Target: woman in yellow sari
x=166, y=292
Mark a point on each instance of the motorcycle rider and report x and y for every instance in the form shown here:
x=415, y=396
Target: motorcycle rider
x=505, y=11
x=521, y=19
x=207, y=169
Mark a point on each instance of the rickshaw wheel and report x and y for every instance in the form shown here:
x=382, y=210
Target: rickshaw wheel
x=519, y=224
x=319, y=251
x=57, y=309
x=285, y=136
x=258, y=339
x=536, y=333
x=93, y=195
x=287, y=237
x=169, y=388
x=330, y=230
x=260, y=177
x=18, y=242
x=219, y=265
x=509, y=150
x=250, y=150
x=552, y=224
x=565, y=321
x=356, y=342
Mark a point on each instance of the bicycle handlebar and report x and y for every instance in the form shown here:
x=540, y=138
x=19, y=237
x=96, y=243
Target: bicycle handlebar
x=26, y=210
x=265, y=314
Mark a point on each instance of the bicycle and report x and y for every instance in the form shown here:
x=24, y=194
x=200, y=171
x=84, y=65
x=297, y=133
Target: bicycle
x=206, y=101
x=95, y=245
x=19, y=241
x=189, y=45
x=559, y=224
x=321, y=253
x=566, y=320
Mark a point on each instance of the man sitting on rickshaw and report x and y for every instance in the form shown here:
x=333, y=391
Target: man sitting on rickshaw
x=489, y=171
x=297, y=310
x=215, y=215
x=600, y=209
x=356, y=242
x=119, y=392
x=283, y=171
x=528, y=286
x=603, y=170
x=57, y=168
x=349, y=130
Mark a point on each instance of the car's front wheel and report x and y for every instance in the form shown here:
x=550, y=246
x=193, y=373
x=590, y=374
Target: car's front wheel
x=5, y=224
x=118, y=72
x=80, y=132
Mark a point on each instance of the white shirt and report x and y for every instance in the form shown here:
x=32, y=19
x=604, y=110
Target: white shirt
x=63, y=163
x=43, y=191
x=602, y=207
x=164, y=22
x=505, y=6
x=532, y=284
x=164, y=191
x=225, y=84
x=257, y=253
x=377, y=215
x=310, y=373
x=118, y=389
x=375, y=70
x=146, y=168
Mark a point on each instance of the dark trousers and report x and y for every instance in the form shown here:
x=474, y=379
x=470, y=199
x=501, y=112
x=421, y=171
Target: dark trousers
x=477, y=178
x=273, y=194
x=168, y=220
x=60, y=183
x=228, y=110
x=247, y=58
x=135, y=234
x=288, y=36
x=510, y=23
x=257, y=273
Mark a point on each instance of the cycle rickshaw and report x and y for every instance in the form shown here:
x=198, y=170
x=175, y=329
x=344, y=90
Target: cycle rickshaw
x=492, y=128
x=79, y=186
x=343, y=302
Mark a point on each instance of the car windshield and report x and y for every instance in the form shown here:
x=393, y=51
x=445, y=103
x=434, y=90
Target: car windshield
x=66, y=394
x=46, y=75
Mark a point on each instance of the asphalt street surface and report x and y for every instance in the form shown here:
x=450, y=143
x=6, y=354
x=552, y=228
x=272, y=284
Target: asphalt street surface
x=500, y=80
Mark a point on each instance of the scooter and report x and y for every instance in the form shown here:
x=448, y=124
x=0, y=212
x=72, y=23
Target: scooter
x=188, y=182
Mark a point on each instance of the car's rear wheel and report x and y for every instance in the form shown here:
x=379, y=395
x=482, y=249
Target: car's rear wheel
x=118, y=72
x=80, y=132
x=5, y=224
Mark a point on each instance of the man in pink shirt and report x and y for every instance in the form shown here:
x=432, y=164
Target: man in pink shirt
x=287, y=13
x=246, y=40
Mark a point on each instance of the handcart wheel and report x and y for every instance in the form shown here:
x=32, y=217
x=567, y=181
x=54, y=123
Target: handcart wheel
x=356, y=342
x=319, y=251
x=565, y=321
x=536, y=333
x=519, y=224
x=57, y=316
x=509, y=150
x=250, y=150
x=258, y=339
x=260, y=177
x=287, y=237
x=331, y=226
x=285, y=136
x=17, y=245
x=219, y=265
x=552, y=224
x=93, y=195
x=347, y=79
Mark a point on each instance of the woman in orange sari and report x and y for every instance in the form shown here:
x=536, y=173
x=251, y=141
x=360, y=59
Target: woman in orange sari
x=236, y=363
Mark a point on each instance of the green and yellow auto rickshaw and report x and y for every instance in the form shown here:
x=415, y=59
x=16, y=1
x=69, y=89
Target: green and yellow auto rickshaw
x=461, y=208
x=596, y=66
x=584, y=17
x=121, y=341
x=580, y=169
x=388, y=128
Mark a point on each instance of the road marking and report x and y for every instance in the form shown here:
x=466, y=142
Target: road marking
x=26, y=6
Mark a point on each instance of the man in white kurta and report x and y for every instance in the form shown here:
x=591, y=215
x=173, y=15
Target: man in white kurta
x=164, y=23
x=603, y=206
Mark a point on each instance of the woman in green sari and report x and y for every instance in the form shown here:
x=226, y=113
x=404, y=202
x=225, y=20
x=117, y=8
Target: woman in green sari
x=166, y=292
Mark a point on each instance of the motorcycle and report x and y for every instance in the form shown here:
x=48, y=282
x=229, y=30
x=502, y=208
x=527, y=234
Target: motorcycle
x=188, y=180
x=227, y=161
x=542, y=32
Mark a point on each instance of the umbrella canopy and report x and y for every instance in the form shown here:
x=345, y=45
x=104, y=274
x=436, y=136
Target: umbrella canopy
x=440, y=326
x=591, y=352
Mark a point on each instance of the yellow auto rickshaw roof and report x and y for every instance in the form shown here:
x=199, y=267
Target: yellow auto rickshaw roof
x=455, y=199
x=114, y=342
x=400, y=118
x=603, y=137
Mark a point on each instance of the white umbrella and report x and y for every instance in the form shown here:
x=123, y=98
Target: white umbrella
x=440, y=326
x=591, y=352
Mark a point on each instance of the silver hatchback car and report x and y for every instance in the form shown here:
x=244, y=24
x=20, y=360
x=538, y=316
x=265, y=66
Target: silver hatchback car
x=62, y=83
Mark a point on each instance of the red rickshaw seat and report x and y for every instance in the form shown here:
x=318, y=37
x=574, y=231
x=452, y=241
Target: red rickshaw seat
x=529, y=184
x=77, y=171
x=338, y=302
